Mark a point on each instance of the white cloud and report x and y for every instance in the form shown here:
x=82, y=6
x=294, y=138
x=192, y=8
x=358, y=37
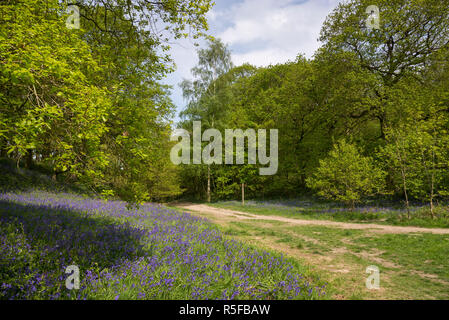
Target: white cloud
x=263, y=57
x=261, y=32
x=184, y=54
x=280, y=28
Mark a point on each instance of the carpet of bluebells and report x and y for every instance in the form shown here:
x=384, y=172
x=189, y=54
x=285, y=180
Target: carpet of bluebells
x=326, y=209
x=150, y=252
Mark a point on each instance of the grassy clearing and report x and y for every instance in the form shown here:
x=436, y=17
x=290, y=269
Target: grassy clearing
x=412, y=266
x=310, y=210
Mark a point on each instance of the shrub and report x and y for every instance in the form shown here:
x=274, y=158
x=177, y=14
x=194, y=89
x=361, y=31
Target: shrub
x=345, y=175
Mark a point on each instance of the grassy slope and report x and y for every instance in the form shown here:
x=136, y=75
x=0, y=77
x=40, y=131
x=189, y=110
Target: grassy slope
x=14, y=178
x=42, y=232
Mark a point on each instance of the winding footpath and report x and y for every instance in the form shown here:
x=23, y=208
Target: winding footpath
x=238, y=215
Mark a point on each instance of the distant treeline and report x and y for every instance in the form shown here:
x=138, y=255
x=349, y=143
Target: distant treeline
x=367, y=115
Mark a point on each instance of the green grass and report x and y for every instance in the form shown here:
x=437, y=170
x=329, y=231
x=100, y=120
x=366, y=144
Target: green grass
x=413, y=266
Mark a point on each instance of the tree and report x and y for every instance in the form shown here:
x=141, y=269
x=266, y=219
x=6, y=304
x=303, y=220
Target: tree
x=87, y=103
x=411, y=32
x=397, y=154
x=131, y=38
x=345, y=175
x=202, y=93
x=51, y=107
x=418, y=152
x=416, y=136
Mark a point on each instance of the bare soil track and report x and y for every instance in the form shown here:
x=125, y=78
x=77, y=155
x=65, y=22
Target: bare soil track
x=238, y=215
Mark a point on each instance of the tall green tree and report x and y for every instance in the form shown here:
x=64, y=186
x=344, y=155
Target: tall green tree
x=411, y=32
x=202, y=93
x=51, y=107
x=87, y=102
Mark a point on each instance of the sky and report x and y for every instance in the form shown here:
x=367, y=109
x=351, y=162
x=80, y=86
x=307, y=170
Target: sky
x=259, y=32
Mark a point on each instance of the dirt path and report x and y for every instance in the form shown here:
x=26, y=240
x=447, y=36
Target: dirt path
x=238, y=215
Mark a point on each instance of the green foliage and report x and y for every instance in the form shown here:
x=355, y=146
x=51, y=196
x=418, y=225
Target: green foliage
x=49, y=101
x=345, y=175
x=385, y=89
x=410, y=32
x=418, y=157
x=88, y=103
x=206, y=101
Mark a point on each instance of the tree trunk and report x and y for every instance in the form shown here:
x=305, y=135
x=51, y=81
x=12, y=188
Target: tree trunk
x=432, y=185
x=431, y=207
x=3, y=151
x=405, y=193
x=431, y=197
x=208, y=183
x=243, y=194
x=407, y=205
x=29, y=159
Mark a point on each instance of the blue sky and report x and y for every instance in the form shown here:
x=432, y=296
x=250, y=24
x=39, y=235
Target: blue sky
x=260, y=32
